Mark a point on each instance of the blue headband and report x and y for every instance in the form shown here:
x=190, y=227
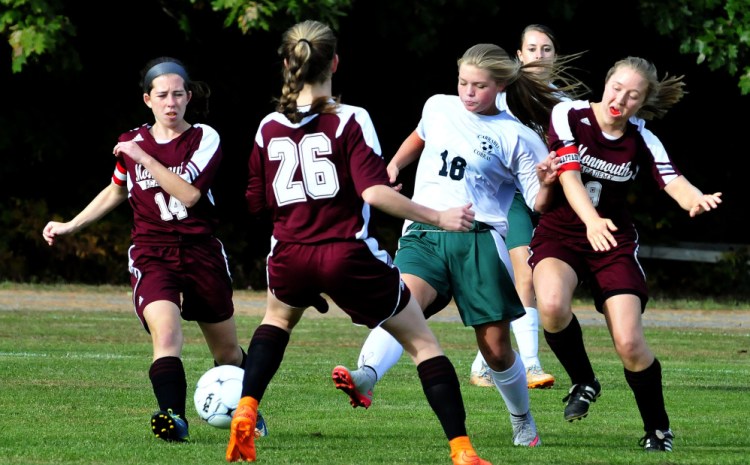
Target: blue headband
x=167, y=67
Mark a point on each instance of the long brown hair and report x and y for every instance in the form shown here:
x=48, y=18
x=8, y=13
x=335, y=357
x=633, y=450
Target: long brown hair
x=530, y=98
x=308, y=49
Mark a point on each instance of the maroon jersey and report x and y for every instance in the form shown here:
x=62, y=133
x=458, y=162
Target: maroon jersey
x=158, y=218
x=312, y=174
x=608, y=166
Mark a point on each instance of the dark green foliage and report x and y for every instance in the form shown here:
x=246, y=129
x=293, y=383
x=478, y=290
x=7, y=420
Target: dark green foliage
x=57, y=128
x=98, y=255
x=729, y=279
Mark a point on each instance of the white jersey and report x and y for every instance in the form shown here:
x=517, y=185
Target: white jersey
x=475, y=158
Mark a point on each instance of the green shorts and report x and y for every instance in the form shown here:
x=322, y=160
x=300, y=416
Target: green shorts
x=521, y=222
x=465, y=266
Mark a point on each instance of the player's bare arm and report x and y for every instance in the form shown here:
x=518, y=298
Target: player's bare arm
x=546, y=172
x=389, y=201
x=691, y=198
x=169, y=181
x=407, y=153
x=598, y=229
x=109, y=198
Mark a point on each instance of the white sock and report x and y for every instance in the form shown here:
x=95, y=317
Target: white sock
x=512, y=386
x=380, y=351
x=476, y=365
x=526, y=331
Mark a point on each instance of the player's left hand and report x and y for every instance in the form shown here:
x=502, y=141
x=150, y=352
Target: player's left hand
x=705, y=203
x=132, y=150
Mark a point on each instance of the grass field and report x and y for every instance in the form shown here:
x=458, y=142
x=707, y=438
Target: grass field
x=74, y=389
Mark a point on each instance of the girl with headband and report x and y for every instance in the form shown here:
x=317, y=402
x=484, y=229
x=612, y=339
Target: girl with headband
x=178, y=267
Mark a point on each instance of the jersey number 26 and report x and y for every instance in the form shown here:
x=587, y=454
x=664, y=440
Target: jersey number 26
x=319, y=178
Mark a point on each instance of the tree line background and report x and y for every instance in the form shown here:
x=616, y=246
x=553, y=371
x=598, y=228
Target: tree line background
x=58, y=122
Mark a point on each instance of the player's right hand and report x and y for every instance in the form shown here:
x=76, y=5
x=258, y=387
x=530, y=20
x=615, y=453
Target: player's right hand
x=53, y=229
x=457, y=219
x=599, y=235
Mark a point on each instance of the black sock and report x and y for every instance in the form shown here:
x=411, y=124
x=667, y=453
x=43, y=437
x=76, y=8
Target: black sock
x=649, y=396
x=263, y=359
x=244, y=358
x=242, y=364
x=570, y=351
x=440, y=385
x=167, y=376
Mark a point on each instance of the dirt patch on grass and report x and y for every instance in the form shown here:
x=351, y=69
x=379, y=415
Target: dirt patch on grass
x=82, y=298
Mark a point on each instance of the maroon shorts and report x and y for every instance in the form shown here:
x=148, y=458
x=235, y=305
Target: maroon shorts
x=195, y=277
x=359, y=277
x=607, y=273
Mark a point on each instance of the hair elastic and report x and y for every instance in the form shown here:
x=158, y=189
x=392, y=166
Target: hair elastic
x=166, y=67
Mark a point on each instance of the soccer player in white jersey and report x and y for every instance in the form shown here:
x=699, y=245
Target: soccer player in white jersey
x=469, y=151
x=538, y=43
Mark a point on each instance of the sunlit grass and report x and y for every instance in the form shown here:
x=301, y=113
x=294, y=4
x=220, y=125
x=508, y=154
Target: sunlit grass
x=74, y=389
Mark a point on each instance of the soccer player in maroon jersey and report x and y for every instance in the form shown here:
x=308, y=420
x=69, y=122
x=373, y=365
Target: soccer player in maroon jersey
x=178, y=268
x=588, y=234
x=317, y=165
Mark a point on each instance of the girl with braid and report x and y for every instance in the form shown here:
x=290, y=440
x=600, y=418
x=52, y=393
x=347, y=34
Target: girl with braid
x=317, y=165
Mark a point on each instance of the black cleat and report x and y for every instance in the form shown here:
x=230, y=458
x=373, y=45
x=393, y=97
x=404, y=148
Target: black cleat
x=579, y=399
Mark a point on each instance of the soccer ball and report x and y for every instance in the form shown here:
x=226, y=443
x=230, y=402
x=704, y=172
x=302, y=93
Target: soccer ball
x=217, y=394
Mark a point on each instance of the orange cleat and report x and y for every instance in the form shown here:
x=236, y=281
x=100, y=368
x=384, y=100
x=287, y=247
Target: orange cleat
x=538, y=379
x=355, y=384
x=241, y=446
x=462, y=452
x=468, y=457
